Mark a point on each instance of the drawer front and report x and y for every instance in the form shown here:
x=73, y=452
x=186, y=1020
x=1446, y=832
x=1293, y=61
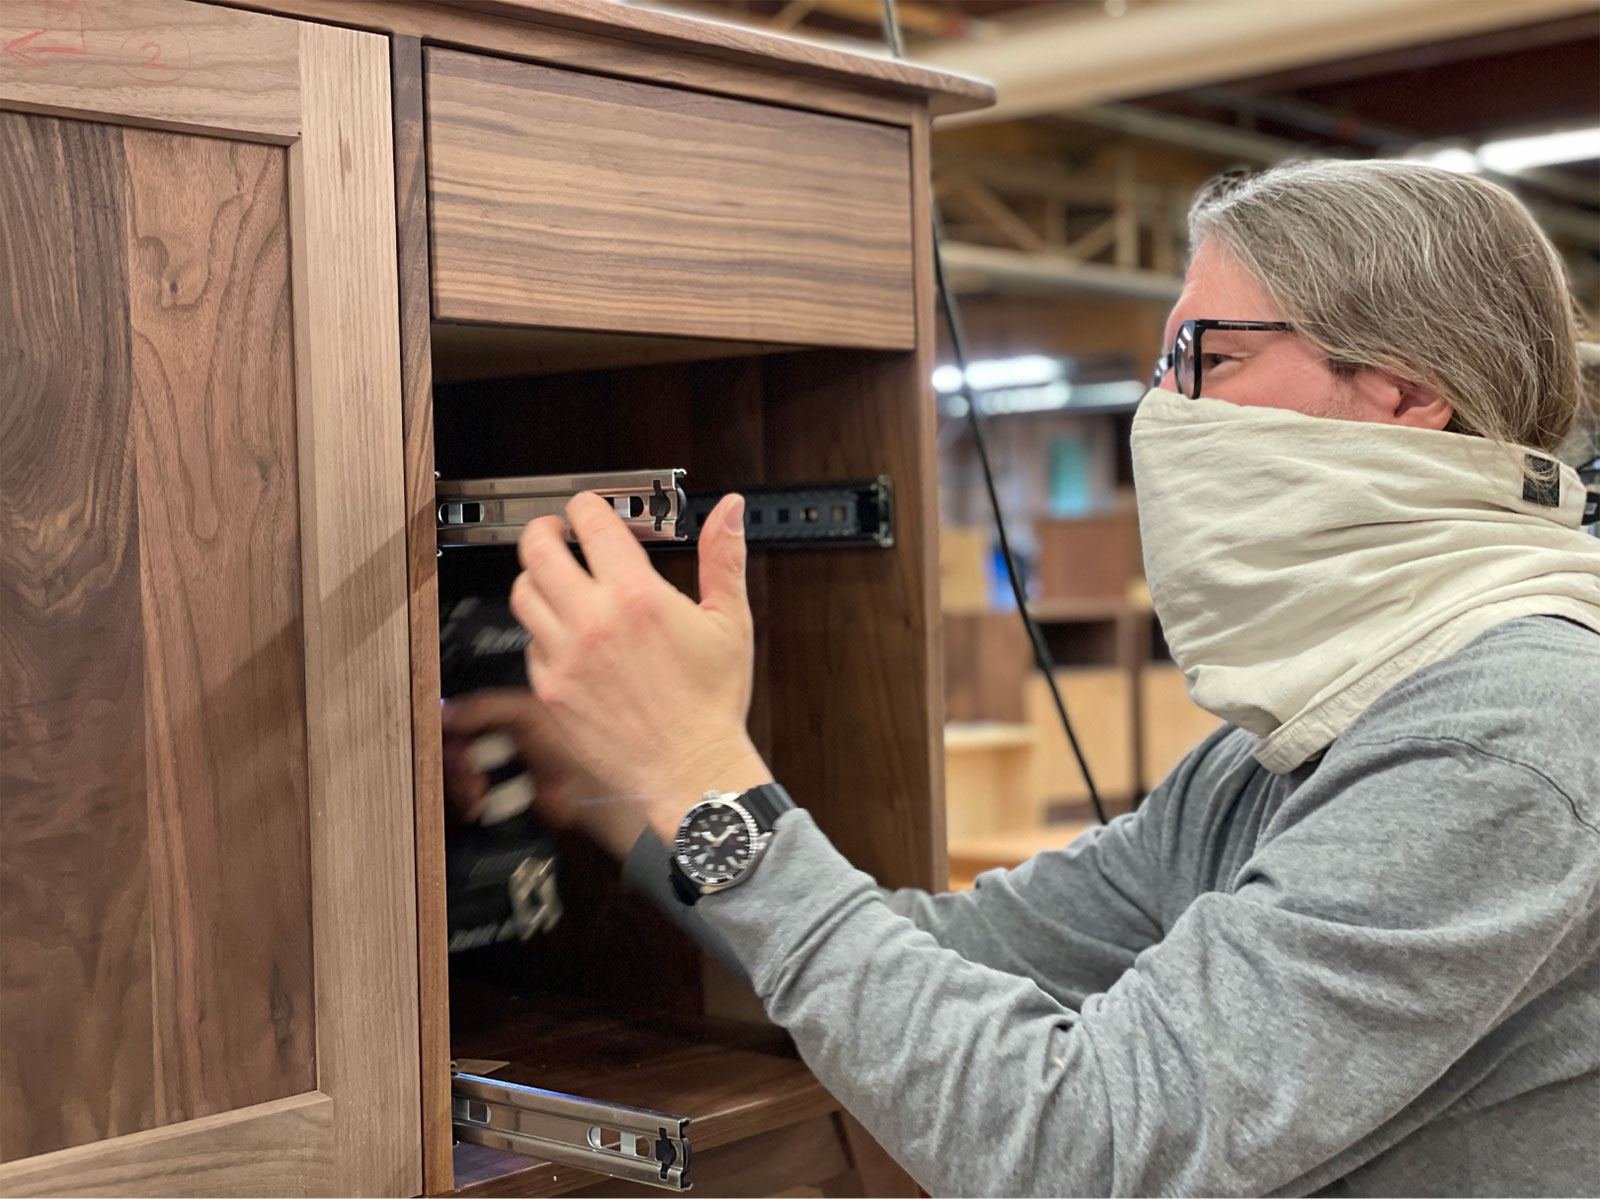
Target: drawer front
x=579, y=201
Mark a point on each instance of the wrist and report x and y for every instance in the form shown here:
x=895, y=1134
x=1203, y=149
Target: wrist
x=735, y=767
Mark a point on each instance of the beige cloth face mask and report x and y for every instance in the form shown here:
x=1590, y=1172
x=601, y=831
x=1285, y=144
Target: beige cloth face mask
x=1302, y=566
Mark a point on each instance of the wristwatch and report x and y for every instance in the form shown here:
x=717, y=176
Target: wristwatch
x=723, y=837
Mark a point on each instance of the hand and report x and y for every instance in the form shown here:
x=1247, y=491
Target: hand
x=567, y=795
x=645, y=689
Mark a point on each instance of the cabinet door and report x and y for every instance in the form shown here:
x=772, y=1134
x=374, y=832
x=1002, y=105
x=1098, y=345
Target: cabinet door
x=208, y=962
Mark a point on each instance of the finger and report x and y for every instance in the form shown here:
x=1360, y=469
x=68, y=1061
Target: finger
x=549, y=565
x=466, y=716
x=722, y=559
x=609, y=546
x=534, y=613
x=464, y=785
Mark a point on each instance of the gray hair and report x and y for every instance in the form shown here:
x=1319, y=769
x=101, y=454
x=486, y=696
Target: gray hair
x=1442, y=279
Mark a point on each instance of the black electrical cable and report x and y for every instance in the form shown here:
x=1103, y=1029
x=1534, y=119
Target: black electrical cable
x=1041, y=652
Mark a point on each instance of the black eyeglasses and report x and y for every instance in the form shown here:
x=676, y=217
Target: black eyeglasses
x=1183, y=360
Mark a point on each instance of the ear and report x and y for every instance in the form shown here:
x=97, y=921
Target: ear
x=1421, y=408
x=1388, y=399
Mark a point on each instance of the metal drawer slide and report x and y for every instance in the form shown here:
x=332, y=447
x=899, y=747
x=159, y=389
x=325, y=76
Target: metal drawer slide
x=494, y=511
x=622, y=1142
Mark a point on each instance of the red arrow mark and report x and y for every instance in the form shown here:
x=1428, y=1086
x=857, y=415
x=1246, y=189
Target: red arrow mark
x=24, y=51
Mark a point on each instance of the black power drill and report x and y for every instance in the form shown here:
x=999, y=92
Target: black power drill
x=500, y=873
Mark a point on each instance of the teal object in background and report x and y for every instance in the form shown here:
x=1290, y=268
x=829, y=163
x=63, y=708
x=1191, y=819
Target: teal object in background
x=1071, y=484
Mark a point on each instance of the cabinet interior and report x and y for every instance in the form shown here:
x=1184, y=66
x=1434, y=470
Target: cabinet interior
x=841, y=681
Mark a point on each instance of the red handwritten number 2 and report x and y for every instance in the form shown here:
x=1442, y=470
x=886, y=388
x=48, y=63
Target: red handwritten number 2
x=155, y=56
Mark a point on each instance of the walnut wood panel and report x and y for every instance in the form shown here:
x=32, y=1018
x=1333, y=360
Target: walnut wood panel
x=946, y=92
x=153, y=63
x=654, y=61
x=861, y=667
x=213, y=372
x=579, y=201
x=277, y=1148
x=851, y=632
x=76, y=1057
x=416, y=381
x=465, y=353
x=687, y=52
x=352, y=495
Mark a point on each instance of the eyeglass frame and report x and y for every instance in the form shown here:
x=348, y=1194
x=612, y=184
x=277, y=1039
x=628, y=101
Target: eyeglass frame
x=1194, y=331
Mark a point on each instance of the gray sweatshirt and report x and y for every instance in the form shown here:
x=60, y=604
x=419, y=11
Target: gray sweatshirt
x=1379, y=974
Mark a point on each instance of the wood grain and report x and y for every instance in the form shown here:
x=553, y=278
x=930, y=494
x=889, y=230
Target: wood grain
x=696, y=61
x=166, y=64
x=987, y=659
x=214, y=427
x=946, y=92
x=75, y=990
x=352, y=498
x=861, y=671
x=416, y=382
x=277, y=1148
x=464, y=353
x=733, y=1081
x=514, y=37
x=572, y=200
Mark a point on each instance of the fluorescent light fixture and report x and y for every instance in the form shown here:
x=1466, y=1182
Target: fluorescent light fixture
x=990, y=374
x=1513, y=154
x=1050, y=397
x=1452, y=158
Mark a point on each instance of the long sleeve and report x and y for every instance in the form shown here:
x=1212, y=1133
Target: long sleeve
x=1403, y=902
x=1072, y=919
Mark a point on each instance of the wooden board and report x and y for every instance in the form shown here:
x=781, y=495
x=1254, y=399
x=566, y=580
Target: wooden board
x=1173, y=723
x=685, y=53
x=1099, y=706
x=352, y=476
x=987, y=659
x=733, y=1081
x=76, y=1044
x=416, y=369
x=277, y=1148
x=798, y=55
x=577, y=201
x=219, y=521
x=466, y=353
x=153, y=63
x=988, y=778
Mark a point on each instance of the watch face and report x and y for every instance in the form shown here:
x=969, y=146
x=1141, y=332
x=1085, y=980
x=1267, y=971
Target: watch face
x=716, y=841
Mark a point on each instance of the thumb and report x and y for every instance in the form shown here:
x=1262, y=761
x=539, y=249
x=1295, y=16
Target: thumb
x=722, y=557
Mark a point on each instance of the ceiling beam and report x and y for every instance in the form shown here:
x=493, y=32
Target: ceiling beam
x=992, y=268
x=1056, y=60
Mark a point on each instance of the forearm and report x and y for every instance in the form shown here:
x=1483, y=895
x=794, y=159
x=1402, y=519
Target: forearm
x=645, y=870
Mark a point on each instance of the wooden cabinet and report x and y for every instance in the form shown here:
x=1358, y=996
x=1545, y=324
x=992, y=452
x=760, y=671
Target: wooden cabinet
x=267, y=265
x=207, y=920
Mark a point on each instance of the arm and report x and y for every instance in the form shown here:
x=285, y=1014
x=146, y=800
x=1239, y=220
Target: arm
x=1072, y=919
x=1402, y=907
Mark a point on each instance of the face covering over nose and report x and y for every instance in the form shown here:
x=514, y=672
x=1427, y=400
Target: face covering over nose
x=1302, y=566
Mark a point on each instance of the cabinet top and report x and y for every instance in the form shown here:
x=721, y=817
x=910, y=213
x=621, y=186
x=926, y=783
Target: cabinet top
x=946, y=92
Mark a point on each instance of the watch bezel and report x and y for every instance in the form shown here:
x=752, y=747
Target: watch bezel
x=708, y=883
